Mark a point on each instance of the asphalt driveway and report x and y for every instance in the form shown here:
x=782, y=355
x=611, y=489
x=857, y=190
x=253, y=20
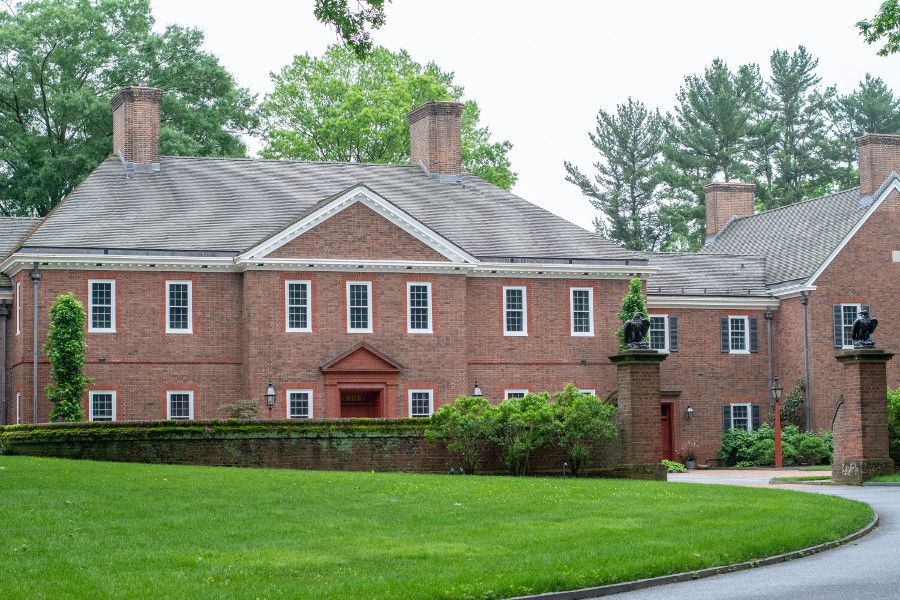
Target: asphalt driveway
x=868, y=568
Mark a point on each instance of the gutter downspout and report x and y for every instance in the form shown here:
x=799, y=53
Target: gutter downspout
x=804, y=301
x=768, y=316
x=35, y=280
x=4, y=317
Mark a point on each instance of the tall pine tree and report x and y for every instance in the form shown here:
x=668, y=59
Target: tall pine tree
x=624, y=188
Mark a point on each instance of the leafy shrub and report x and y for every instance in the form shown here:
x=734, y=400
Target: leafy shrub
x=519, y=426
x=632, y=302
x=582, y=420
x=465, y=427
x=742, y=448
x=242, y=409
x=65, y=348
x=674, y=467
x=793, y=411
x=893, y=398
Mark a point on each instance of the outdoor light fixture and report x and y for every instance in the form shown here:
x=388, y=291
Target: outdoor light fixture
x=689, y=412
x=776, y=389
x=476, y=391
x=270, y=395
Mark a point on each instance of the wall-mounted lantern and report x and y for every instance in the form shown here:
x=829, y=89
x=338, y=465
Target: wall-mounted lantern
x=689, y=412
x=270, y=396
x=476, y=391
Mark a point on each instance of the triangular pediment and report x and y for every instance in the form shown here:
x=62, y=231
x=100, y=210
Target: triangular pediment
x=358, y=224
x=362, y=358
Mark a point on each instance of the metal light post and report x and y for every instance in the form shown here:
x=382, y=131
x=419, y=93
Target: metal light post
x=776, y=396
x=270, y=397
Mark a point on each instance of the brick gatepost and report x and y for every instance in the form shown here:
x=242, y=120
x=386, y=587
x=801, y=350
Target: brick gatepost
x=639, y=405
x=860, y=423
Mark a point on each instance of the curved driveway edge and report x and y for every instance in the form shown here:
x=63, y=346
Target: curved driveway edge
x=628, y=586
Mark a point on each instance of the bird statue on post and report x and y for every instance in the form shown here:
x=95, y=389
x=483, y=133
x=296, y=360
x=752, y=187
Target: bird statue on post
x=635, y=332
x=863, y=328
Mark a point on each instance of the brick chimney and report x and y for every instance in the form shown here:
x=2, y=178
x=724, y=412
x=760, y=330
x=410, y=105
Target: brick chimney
x=136, y=124
x=879, y=155
x=725, y=200
x=434, y=137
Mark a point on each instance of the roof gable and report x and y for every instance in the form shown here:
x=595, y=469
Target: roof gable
x=345, y=208
x=362, y=358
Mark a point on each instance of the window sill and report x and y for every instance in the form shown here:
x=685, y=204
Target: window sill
x=289, y=330
x=101, y=330
x=515, y=334
x=419, y=331
x=180, y=331
x=738, y=352
x=359, y=331
x=582, y=334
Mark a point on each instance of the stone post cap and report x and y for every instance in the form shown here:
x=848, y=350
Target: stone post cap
x=864, y=355
x=638, y=356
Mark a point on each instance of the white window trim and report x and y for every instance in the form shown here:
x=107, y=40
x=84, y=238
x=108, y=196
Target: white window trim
x=506, y=393
x=430, y=393
x=858, y=306
x=746, y=320
x=18, y=407
x=590, y=292
x=524, y=331
x=591, y=392
x=665, y=318
x=190, y=394
x=409, y=329
x=18, y=311
x=287, y=403
x=749, y=414
x=112, y=298
x=287, y=306
x=91, y=402
x=368, y=285
x=190, y=306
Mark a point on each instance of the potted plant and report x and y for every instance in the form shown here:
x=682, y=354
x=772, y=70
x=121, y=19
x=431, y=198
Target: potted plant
x=689, y=457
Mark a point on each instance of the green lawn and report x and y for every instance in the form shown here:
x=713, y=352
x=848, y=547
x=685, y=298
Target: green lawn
x=891, y=478
x=78, y=529
x=801, y=479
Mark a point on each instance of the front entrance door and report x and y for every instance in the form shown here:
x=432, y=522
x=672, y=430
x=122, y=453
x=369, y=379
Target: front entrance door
x=360, y=405
x=666, y=430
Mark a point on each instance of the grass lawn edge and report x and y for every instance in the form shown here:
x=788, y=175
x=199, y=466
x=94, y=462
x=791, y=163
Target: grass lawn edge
x=628, y=586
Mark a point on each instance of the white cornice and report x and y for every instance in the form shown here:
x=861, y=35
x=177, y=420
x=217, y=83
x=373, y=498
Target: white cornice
x=551, y=270
x=712, y=302
x=349, y=265
x=370, y=199
x=23, y=260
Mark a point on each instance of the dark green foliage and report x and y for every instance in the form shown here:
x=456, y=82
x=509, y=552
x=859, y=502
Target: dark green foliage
x=463, y=425
x=893, y=398
x=742, y=448
x=65, y=348
x=633, y=302
x=351, y=25
x=341, y=108
x=63, y=60
x=242, y=409
x=581, y=421
x=624, y=189
x=792, y=409
x=674, y=467
x=519, y=426
x=883, y=27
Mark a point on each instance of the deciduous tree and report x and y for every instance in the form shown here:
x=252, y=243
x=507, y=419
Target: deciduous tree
x=883, y=27
x=352, y=25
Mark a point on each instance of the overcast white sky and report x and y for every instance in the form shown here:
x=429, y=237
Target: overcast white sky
x=541, y=70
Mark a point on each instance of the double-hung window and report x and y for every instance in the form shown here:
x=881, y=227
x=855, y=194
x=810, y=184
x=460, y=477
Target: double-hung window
x=102, y=306
x=297, y=306
x=180, y=405
x=740, y=416
x=515, y=394
x=418, y=317
x=659, y=332
x=588, y=392
x=421, y=403
x=102, y=406
x=299, y=404
x=581, y=302
x=515, y=311
x=179, y=312
x=738, y=335
x=849, y=312
x=359, y=307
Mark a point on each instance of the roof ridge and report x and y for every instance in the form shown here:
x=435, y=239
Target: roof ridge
x=289, y=161
x=793, y=204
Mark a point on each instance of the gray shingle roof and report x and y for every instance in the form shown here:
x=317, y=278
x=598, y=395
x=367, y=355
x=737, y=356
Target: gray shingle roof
x=796, y=239
x=12, y=230
x=228, y=205
x=707, y=275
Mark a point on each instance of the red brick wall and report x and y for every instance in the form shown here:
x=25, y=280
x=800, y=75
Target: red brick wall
x=357, y=232
x=863, y=272
x=725, y=200
x=136, y=124
x=434, y=135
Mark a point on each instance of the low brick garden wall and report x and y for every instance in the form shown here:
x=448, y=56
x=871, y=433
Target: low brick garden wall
x=333, y=445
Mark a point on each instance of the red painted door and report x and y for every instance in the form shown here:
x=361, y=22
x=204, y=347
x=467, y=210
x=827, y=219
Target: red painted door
x=665, y=425
x=360, y=405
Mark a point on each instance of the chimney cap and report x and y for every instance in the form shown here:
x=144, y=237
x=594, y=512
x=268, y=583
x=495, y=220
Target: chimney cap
x=134, y=92
x=434, y=108
x=729, y=186
x=889, y=139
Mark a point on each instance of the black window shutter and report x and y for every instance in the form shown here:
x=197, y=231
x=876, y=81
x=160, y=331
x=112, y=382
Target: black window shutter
x=726, y=417
x=723, y=324
x=838, y=327
x=673, y=334
x=755, y=422
x=754, y=334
